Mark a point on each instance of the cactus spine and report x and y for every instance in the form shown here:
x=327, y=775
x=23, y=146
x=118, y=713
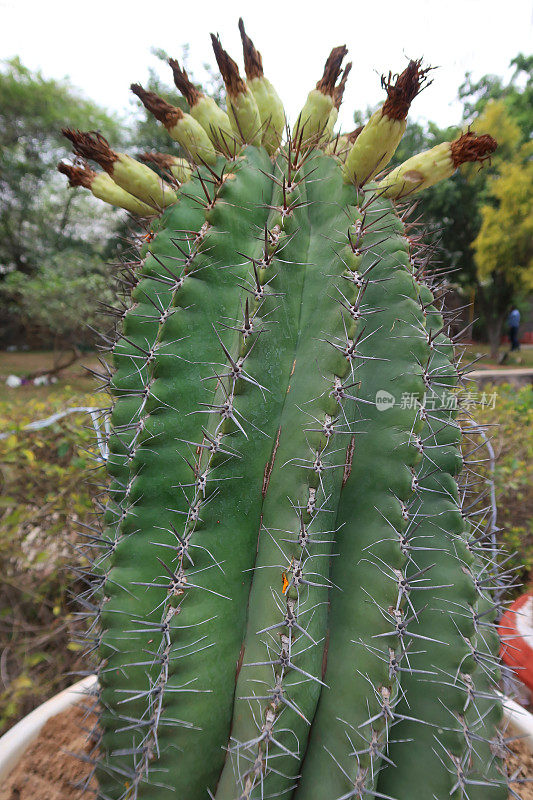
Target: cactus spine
x=289, y=599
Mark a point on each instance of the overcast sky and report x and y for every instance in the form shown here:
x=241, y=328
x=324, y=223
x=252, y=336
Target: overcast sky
x=104, y=45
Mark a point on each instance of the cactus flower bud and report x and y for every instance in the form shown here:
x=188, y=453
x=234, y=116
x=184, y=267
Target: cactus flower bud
x=105, y=188
x=204, y=110
x=427, y=168
x=377, y=142
x=268, y=102
x=179, y=168
x=135, y=178
x=182, y=127
x=338, y=94
x=242, y=106
x=313, y=118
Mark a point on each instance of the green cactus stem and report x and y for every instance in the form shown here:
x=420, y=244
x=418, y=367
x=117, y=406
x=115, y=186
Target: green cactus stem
x=289, y=598
x=459, y=735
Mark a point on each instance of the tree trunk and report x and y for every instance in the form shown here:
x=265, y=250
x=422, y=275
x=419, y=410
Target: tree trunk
x=495, y=300
x=495, y=335
x=58, y=367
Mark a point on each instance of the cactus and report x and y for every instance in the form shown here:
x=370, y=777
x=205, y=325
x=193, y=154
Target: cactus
x=289, y=598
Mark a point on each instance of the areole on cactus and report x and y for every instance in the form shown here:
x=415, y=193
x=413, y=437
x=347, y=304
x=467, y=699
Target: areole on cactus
x=289, y=598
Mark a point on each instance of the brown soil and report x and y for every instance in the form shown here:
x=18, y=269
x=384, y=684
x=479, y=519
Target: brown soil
x=49, y=770
x=521, y=762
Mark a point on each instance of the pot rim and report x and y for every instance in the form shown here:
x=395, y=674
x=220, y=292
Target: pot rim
x=20, y=736
x=13, y=743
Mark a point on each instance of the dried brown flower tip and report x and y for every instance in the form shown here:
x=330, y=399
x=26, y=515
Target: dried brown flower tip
x=77, y=175
x=181, y=79
x=167, y=114
x=402, y=89
x=352, y=136
x=92, y=145
x=332, y=69
x=470, y=147
x=338, y=91
x=228, y=69
x=253, y=63
x=161, y=160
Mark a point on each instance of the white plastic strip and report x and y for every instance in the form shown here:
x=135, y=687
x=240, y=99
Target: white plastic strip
x=518, y=721
x=97, y=414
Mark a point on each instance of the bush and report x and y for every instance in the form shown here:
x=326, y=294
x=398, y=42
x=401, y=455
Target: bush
x=511, y=433
x=45, y=495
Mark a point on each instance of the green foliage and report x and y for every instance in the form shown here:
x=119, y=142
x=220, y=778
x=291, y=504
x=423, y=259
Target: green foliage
x=510, y=428
x=61, y=299
x=518, y=99
x=503, y=251
x=45, y=495
x=32, y=112
x=40, y=218
x=505, y=241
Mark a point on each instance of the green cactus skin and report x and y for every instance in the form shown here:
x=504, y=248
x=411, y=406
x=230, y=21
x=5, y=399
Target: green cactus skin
x=289, y=599
x=370, y=562
x=459, y=732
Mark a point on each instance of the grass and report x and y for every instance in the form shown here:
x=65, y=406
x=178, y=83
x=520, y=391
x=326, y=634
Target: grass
x=45, y=493
x=521, y=358
x=74, y=379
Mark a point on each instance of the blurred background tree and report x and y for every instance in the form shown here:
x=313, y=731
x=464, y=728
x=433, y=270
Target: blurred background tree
x=56, y=244
x=37, y=216
x=490, y=267
x=503, y=247
x=43, y=225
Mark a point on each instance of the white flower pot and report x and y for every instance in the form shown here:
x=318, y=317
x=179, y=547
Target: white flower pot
x=20, y=736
